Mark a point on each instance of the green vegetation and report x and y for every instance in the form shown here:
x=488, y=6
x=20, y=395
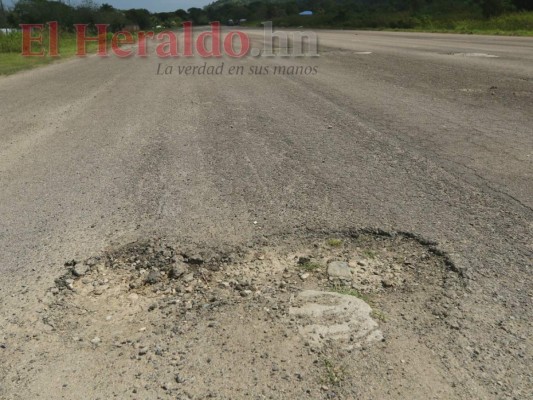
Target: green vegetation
x=10, y=43
x=508, y=24
x=90, y=12
x=376, y=314
x=369, y=254
x=83, y=12
x=351, y=292
x=12, y=61
x=334, y=375
x=464, y=16
x=514, y=23
x=334, y=242
x=461, y=16
x=310, y=266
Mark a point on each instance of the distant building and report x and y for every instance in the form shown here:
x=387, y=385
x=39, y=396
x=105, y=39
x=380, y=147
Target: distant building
x=306, y=13
x=7, y=31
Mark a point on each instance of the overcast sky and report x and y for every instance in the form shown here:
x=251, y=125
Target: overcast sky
x=152, y=5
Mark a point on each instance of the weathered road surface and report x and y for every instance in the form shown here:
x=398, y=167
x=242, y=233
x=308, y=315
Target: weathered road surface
x=418, y=136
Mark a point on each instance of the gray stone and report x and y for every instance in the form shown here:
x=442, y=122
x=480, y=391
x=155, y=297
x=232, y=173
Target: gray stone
x=196, y=259
x=387, y=283
x=153, y=278
x=178, y=271
x=98, y=291
x=339, y=270
x=92, y=261
x=69, y=284
x=80, y=270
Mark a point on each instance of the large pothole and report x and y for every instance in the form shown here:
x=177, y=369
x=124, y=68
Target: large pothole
x=285, y=320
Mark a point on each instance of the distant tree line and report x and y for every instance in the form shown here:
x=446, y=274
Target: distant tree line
x=367, y=12
x=3, y=15
x=257, y=10
x=90, y=12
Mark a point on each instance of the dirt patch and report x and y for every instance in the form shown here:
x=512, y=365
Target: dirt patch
x=152, y=320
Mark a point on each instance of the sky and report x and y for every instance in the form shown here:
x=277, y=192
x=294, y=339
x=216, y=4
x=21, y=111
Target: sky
x=152, y=5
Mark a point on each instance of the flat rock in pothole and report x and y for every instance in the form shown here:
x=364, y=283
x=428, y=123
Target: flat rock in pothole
x=332, y=316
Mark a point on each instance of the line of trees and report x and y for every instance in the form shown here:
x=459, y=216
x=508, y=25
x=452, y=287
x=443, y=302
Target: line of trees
x=334, y=11
x=267, y=10
x=89, y=12
x=3, y=15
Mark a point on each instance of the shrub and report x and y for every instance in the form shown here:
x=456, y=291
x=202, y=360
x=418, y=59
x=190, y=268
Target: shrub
x=10, y=42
